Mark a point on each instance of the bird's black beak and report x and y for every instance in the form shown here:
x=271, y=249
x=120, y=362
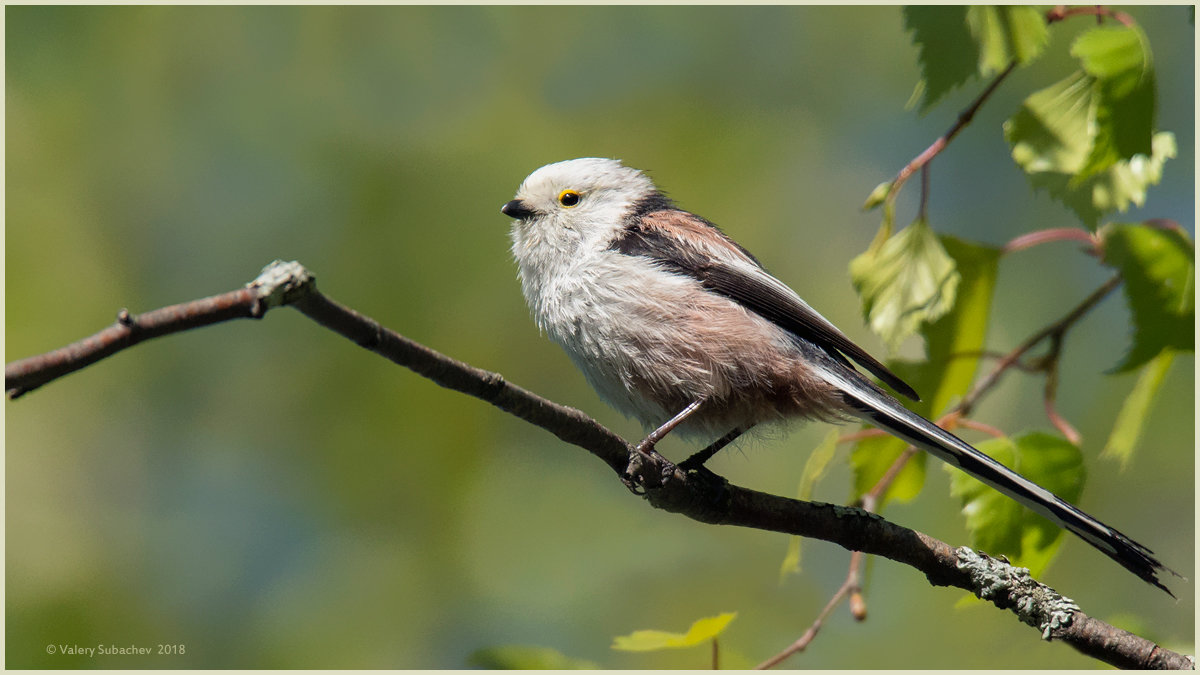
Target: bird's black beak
x=516, y=209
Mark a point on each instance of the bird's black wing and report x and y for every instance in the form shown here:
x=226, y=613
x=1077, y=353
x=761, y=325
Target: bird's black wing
x=688, y=244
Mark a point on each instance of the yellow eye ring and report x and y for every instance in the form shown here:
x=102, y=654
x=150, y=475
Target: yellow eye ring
x=568, y=198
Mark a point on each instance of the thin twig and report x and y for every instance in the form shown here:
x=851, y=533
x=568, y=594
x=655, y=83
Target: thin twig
x=1049, y=395
x=808, y=636
x=964, y=118
x=956, y=415
x=1038, y=237
x=923, y=207
x=1099, y=11
x=861, y=434
x=980, y=426
x=1059, y=327
x=1012, y=359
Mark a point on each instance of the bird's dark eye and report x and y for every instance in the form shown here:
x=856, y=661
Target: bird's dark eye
x=568, y=198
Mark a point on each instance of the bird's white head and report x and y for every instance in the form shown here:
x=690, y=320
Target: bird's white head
x=564, y=207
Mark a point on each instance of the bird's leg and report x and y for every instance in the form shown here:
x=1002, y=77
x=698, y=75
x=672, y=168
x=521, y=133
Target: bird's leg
x=647, y=444
x=645, y=449
x=696, y=461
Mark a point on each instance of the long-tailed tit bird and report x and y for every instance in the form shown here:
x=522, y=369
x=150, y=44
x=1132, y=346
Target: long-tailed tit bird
x=676, y=325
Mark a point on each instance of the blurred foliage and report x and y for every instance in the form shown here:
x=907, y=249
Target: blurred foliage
x=526, y=658
x=700, y=632
x=818, y=463
x=1131, y=420
x=271, y=496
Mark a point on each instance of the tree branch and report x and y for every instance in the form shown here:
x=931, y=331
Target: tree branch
x=22, y=377
x=699, y=495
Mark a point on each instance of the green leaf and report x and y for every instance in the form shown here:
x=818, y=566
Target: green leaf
x=872, y=457
x=905, y=282
x=1120, y=54
x=814, y=470
x=952, y=345
x=947, y=53
x=520, y=657
x=1122, y=184
x=957, y=43
x=1159, y=268
x=1050, y=133
x=1000, y=526
x=1089, y=139
x=1005, y=34
x=1132, y=419
x=1119, y=60
x=700, y=632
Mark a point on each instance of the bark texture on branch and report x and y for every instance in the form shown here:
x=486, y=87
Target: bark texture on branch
x=699, y=495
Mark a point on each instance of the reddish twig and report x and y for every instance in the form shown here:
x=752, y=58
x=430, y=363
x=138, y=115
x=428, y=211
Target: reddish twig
x=861, y=434
x=1032, y=239
x=980, y=426
x=964, y=118
x=1062, y=12
x=1058, y=328
x=1012, y=359
x=956, y=416
x=803, y=641
x=1049, y=397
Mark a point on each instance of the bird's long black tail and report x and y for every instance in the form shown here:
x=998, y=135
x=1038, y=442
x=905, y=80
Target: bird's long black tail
x=873, y=405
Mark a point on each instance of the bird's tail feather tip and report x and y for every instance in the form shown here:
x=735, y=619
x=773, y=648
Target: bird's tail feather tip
x=1141, y=561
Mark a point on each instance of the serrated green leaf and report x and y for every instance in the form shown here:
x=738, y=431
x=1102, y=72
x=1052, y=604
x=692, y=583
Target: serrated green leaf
x=1159, y=268
x=1125, y=182
x=814, y=470
x=700, y=632
x=1000, y=526
x=1119, y=60
x=1123, y=127
x=957, y=43
x=1051, y=131
x=1132, y=418
x=952, y=345
x=905, y=282
x=1088, y=139
x=1005, y=34
x=947, y=53
x=1114, y=53
x=1052, y=139
x=1114, y=189
x=522, y=657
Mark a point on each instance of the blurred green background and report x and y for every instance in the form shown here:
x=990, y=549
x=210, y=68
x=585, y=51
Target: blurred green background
x=269, y=495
